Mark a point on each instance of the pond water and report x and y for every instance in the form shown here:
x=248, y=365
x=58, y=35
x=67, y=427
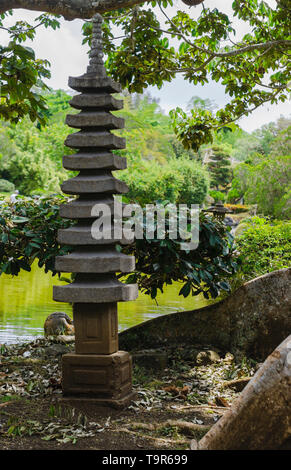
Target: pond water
x=26, y=301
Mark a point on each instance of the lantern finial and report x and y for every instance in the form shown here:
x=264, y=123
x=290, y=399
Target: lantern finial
x=96, y=65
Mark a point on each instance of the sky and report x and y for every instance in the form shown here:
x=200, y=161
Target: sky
x=68, y=57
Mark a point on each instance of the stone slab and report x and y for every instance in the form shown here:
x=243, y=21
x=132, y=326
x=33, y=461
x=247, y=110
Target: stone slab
x=95, y=292
x=107, y=376
x=82, y=235
x=82, y=208
x=151, y=359
x=88, y=83
x=86, y=184
x=85, y=119
x=94, y=161
x=102, y=402
x=95, y=100
x=94, y=139
x=105, y=261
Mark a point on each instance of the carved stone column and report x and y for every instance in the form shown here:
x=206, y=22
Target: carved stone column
x=97, y=370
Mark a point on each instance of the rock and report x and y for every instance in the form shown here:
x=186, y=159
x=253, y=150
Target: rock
x=209, y=200
x=207, y=357
x=26, y=354
x=58, y=323
x=65, y=339
x=229, y=221
x=250, y=322
x=56, y=350
x=260, y=418
x=240, y=229
x=150, y=359
x=228, y=358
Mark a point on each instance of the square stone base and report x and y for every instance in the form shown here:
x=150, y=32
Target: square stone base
x=100, y=377
x=92, y=402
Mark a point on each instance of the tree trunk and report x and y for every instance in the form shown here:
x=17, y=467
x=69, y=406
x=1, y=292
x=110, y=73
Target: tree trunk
x=261, y=417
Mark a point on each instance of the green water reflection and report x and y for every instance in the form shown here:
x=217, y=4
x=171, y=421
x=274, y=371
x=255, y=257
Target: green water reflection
x=26, y=301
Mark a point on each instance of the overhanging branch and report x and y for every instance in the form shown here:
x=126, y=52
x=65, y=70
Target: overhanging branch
x=69, y=9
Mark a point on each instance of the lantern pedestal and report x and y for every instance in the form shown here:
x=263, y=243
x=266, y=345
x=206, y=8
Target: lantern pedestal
x=96, y=328
x=107, y=377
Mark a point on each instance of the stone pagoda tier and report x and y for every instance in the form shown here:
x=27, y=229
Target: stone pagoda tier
x=97, y=370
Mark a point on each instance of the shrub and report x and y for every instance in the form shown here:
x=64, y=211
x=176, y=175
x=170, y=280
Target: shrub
x=177, y=181
x=264, y=246
x=217, y=195
x=6, y=186
x=33, y=171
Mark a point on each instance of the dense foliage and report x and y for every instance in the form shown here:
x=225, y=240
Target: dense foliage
x=31, y=156
x=265, y=182
x=21, y=73
x=148, y=132
x=31, y=172
x=28, y=231
x=201, y=44
x=6, y=186
x=217, y=195
x=178, y=181
x=271, y=240
x=206, y=270
x=254, y=68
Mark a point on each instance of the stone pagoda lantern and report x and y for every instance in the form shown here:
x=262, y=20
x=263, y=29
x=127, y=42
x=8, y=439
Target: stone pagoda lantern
x=97, y=370
x=218, y=210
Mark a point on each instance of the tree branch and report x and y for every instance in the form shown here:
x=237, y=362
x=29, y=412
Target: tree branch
x=69, y=9
x=252, y=47
x=233, y=53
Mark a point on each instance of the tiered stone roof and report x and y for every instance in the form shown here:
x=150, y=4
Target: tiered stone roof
x=94, y=184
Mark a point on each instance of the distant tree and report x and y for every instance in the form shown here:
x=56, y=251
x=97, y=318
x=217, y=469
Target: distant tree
x=32, y=172
x=282, y=144
x=180, y=151
x=57, y=105
x=200, y=103
x=268, y=134
x=269, y=186
x=264, y=181
x=219, y=167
